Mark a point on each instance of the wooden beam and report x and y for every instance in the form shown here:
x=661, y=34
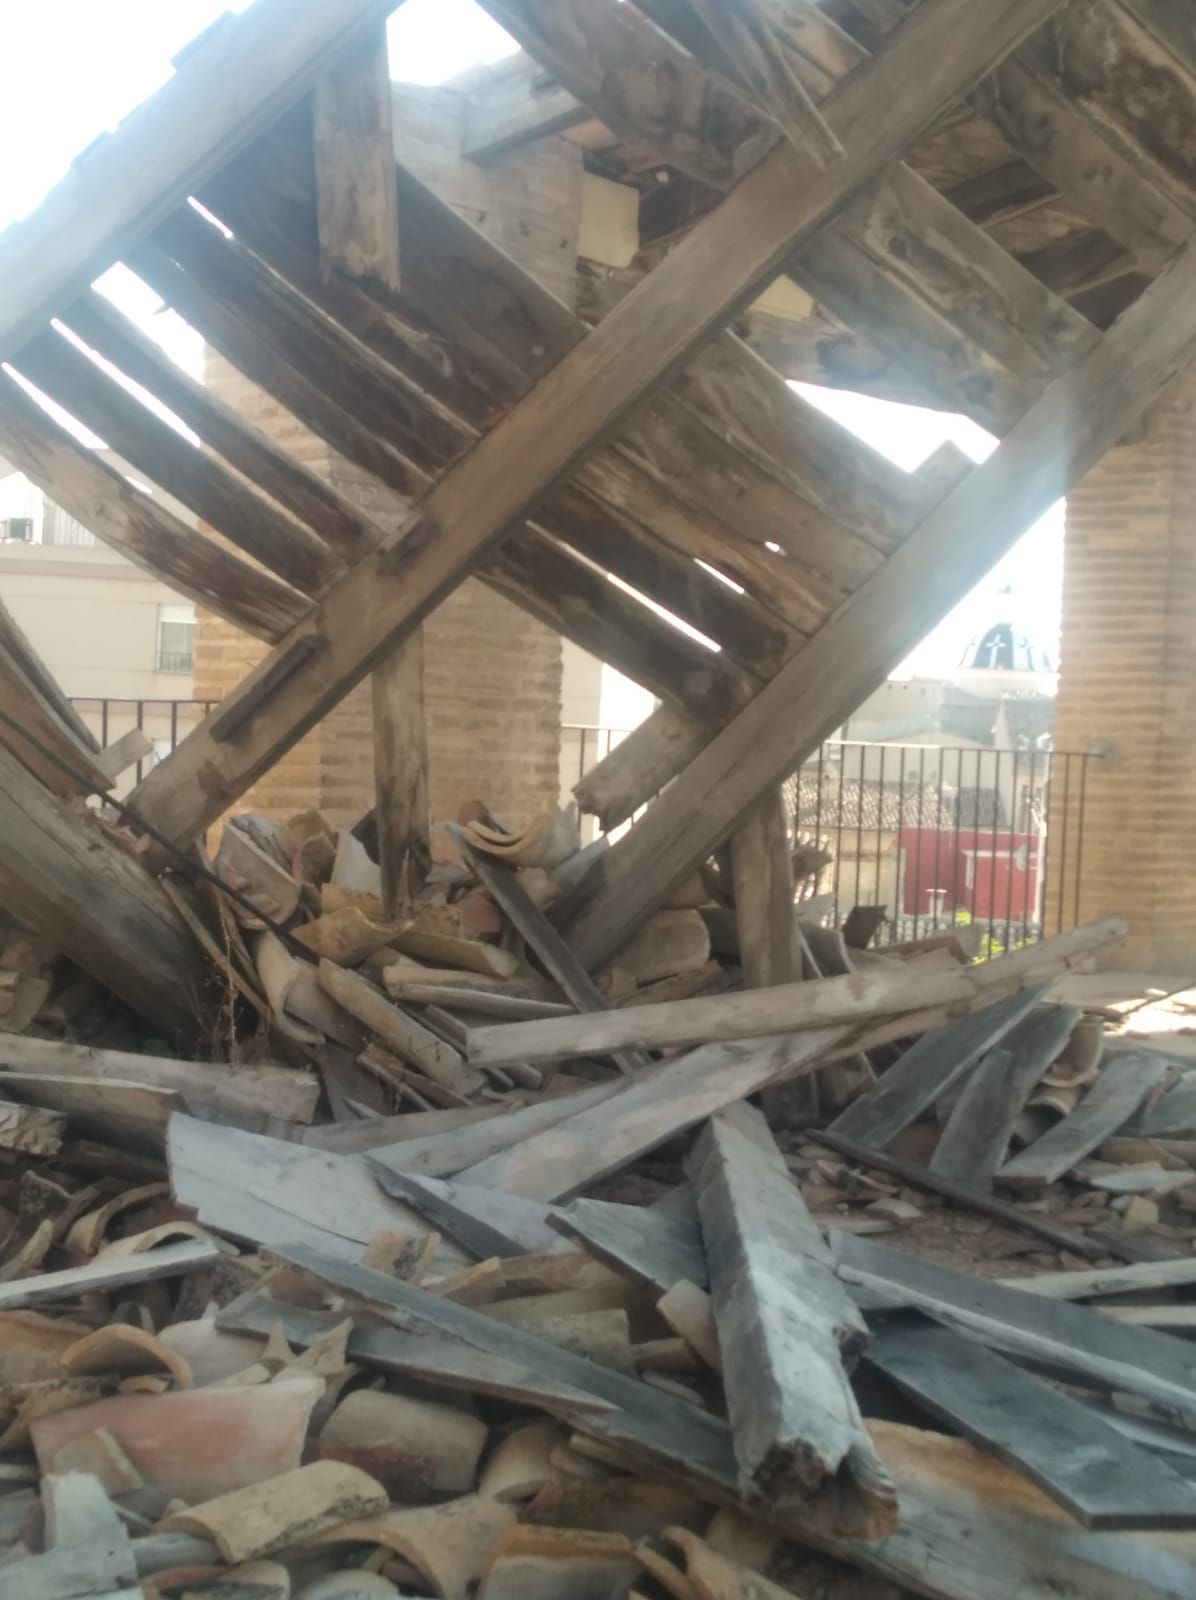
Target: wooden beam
x=785, y=1329
x=231, y=87
x=1171, y=22
x=196, y=479
x=778, y=1004
x=1080, y=416
x=605, y=57
x=514, y=107
x=1082, y=1463
x=67, y=881
x=253, y=453
x=357, y=209
x=756, y=55
x=152, y=537
x=357, y=228
x=945, y=47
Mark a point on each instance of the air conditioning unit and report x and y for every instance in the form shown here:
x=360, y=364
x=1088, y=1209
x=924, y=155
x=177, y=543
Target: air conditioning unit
x=20, y=528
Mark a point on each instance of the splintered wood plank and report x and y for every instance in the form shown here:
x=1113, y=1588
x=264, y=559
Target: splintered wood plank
x=1085, y=1465
x=1082, y=413
x=785, y=1327
x=429, y=1358
x=1106, y=1107
x=928, y=1069
x=231, y=87
x=533, y=926
x=486, y=1224
x=1090, y=1349
x=975, y=1140
x=167, y=1261
x=138, y=526
x=655, y=1250
x=1109, y=1280
x=581, y=401
x=39, y=709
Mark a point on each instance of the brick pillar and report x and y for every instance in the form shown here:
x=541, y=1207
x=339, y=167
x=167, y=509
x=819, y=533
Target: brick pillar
x=1127, y=689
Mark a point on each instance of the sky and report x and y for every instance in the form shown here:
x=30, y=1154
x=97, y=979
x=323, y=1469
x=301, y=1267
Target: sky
x=71, y=69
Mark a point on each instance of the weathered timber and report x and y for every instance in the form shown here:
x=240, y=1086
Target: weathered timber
x=236, y=86
x=244, y=1097
x=1080, y=415
x=929, y=1069
x=1062, y=1445
x=1132, y=1279
x=67, y=881
x=785, y=1327
x=398, y=1029
x=1106, y=1107
x=859, y=996
x=1091, y=1350
x=341, y=526
x=516, y=108
x=134, y=524
x=975, y=1140
x=198, y=480
x=118, y=1272
x=486, y=1224
x=569, y=414
x=357, y=227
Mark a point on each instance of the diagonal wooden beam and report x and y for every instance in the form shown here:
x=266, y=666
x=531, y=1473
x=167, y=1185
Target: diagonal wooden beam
x=234, y=84
x=138, y=526
x=516, y=105
x=1081, y=415
x=33, y=704
x=933, y=58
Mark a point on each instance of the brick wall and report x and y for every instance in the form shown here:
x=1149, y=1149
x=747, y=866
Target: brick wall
x=1128, y=687
x=492, y=674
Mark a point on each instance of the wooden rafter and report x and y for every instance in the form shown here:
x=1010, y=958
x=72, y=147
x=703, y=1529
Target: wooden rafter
x=1082, y=414
x=233, y=84
x=938, y=54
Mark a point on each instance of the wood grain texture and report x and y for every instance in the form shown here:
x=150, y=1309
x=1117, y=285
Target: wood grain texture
x=1081, y=414
x=584, y=399
x=1085, y=1465
x=134, y=524
x=785, y=1328
x=233, y=85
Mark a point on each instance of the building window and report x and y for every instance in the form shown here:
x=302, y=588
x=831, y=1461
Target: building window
x=176, y=639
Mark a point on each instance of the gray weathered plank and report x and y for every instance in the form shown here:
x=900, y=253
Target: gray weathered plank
x=1106, y=1107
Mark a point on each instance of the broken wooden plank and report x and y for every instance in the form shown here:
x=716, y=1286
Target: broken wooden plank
x=785, y=1328
x=786, y=1006
x=976, y=1138
x=244, y=1097
x=117, y=1273
x=485, y=1223
x=928, y=1069
x=398, y=1030
x=1129, y=1279
x=1091, y=1350
x=1058, y=1442
x=1106, y=1107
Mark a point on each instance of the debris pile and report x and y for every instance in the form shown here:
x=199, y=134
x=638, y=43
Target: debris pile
x=494, y=1280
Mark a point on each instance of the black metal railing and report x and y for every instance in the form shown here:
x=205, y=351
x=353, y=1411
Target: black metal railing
x=166, y=722
x=969, y=838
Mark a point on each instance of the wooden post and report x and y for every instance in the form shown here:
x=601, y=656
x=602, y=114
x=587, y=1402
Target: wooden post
x=358, y=220
x=769, y=947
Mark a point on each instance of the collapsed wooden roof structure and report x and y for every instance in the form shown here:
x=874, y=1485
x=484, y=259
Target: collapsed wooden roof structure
x=991, y=206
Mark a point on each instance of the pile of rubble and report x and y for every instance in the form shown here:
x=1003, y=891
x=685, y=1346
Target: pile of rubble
x=469, y=1274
